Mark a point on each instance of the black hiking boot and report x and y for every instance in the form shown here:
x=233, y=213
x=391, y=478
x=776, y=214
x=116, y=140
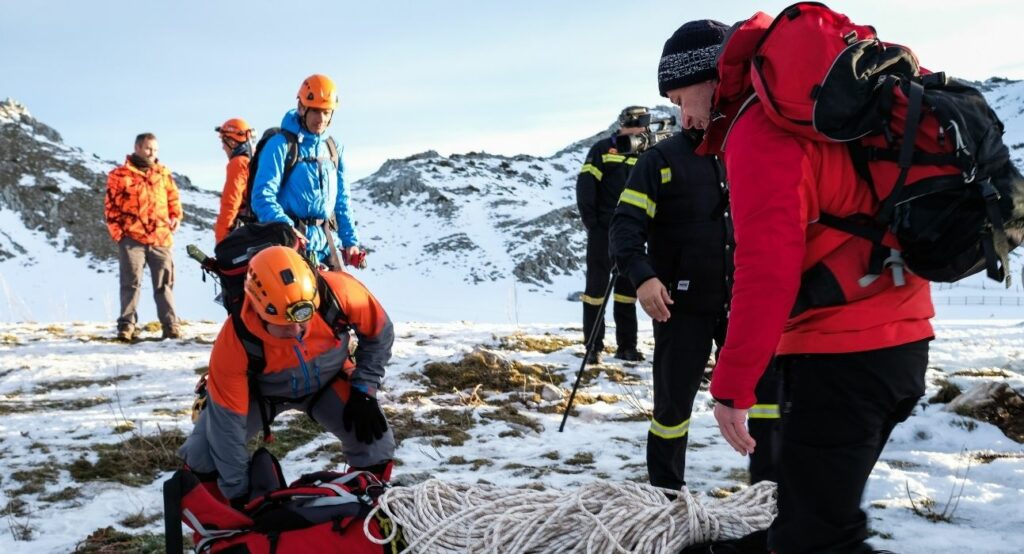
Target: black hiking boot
x=629, y=354
x=594, y=358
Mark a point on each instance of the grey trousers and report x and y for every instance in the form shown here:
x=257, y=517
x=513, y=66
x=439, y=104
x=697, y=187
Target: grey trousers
x=233, y=479
x=133, y=256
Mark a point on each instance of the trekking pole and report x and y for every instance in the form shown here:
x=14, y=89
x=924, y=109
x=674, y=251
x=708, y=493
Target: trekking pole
x=590, y=345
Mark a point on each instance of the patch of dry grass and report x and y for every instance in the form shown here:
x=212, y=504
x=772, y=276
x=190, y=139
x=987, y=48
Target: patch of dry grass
x=111, y=541
x=445, y=427
x=981, y=373
x=68, y=384
x=545, y=344
x=989, y=457
x=71, y=405
x=135, y=461
x=514, y=417
x=491, y=370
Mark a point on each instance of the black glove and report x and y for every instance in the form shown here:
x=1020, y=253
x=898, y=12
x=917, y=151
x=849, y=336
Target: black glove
x=363, y=413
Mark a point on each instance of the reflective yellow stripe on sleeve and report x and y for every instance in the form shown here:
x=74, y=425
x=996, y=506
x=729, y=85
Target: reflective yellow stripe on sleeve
x=587, y=168
x=665, y=432
x=631, y=161
x=640, y=200
x=613, y=158
x=592, y=300
x=622, y=298
x=763, y=411
x=666, y=175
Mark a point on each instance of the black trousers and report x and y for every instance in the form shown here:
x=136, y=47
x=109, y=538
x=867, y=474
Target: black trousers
x=837, y=413
x=599, y=268
x=682, y=346
x=763, y=424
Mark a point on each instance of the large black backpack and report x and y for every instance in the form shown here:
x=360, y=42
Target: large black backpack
x=245, y=213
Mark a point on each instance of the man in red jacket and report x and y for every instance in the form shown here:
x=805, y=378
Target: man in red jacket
x=851, y=372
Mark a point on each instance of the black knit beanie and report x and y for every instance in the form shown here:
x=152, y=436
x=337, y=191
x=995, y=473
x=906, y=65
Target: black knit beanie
x=690, y=53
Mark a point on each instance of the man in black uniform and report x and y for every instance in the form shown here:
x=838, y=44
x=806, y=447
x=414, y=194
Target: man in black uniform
x=672, y=237
x=598, y=187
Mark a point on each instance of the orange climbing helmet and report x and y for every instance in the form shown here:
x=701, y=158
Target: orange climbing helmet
x=318, y=91
x=236, y=129
x=282, y=286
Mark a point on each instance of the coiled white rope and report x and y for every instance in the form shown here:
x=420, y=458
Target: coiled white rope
x=597, y=517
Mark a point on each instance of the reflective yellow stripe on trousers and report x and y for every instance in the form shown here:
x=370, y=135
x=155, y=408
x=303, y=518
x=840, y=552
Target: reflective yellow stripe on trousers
x=592, y=300
x=763, y=411
x=676, y=432
x=623, y=299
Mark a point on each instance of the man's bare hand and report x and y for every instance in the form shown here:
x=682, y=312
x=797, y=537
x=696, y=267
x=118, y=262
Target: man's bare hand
x=654, y=299
x=732, y=422
x=173, y=224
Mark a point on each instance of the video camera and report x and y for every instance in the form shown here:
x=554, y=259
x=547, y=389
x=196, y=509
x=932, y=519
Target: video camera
x=657, y=131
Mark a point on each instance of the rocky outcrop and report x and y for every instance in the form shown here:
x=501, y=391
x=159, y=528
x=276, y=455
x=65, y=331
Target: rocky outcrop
x=994, y=402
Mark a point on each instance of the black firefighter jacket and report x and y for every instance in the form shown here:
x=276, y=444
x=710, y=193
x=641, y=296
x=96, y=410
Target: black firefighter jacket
x=676, y=203
x=600, y=183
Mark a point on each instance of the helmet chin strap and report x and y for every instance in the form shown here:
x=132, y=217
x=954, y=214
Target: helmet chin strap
x=303, y=110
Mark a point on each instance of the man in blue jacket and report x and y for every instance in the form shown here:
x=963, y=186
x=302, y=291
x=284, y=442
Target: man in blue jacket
x=300, y=178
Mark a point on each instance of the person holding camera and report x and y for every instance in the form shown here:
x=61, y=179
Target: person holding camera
x=671, y=235
x=601, y=180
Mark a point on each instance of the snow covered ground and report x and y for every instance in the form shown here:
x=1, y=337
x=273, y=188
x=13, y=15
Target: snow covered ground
x=67, y=389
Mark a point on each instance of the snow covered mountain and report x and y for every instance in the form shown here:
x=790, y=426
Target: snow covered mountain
x=472, y=236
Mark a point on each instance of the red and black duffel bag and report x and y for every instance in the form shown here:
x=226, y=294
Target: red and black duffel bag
x=323, y=511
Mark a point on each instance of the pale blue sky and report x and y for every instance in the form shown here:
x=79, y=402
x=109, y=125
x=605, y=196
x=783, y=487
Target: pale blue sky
x=522, y=76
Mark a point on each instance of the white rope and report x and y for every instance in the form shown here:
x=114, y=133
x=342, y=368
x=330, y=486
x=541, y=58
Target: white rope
x=598, y=517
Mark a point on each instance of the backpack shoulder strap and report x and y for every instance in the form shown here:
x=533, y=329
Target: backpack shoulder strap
x=256, y=360
x=253, y=345
x=330, y=309
x=291, y=157
x=332, y=148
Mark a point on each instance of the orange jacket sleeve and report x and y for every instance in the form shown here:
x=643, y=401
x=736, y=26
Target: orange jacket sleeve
x=233, y=195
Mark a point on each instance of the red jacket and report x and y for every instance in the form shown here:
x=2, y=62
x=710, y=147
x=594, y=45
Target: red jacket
x=779, y=183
